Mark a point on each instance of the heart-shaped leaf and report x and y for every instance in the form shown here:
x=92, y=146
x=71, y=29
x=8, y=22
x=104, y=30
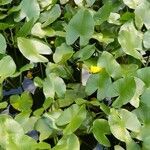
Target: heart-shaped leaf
x=33, y=48
x=100, y=129
x=81, y=25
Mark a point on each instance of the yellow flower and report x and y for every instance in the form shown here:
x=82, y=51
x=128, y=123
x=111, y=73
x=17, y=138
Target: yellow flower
x=95, y=69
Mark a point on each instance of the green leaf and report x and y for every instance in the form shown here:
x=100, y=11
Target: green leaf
x=47, y=103
x=81, y=25
x=100, y=129
x=40, y=32
x=76, y=121
x=112, y=67
x=62, y=53
x=61, y=70
x=121, y=89
x=67, y=115
x=7, y=67
x=26, y=28
x=92, y=84
x=146, y=39
x=130, y=40
x=132, y=3
x=103, y=84
x=42, y=125
x=3, y=105
x=138, y=92
x=42, y=146
x=114, y=18
x=26, y=121
x=4, y=2
x=68, y=142
x=9, y=128
x=32, y=48
x=130, y=119
x=145, y=97
x=117, y=126
x=54, y=84
x=23, y=103
x=29, y=10
x=3, y=44
x=84, y=53
x=48, y=17
x=103, y=13
x=118, y=147
x=142, y=13
x=144, y=74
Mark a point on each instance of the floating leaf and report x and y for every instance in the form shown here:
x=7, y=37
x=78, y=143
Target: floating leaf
x=68, y=142
x=146, y=39
x=142, y=13
x=3, y=44
x=62, y=53
x=121, y=88
x=29, y=10
x=132, y=3
x=32, y=48
x=76, y=121
x=81, y=25
x=40, y=32
x=50, y=16
x=23, y=103
x=130, y=40
x=144, y=74
x=84, y=53
x=100, y=129
x=112, y=67
x=7, y=67
x=52, y=85
x=42, y=125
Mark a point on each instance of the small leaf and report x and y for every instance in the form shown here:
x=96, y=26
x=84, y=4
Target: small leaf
x=7, y=67
x=103, y=13
x=117, y=126
x=144, y=74
x=3, y=44
x=62, y=53
x=42, y=125
x=76, y=121
x=81, y=25
x=29, y=10
x=40, y=32
x=67, y=115
x=23, y=103
x=100, y=129
x=3, y=105
x=145, y=97
x=130, y=40
x=84, y=53
x=54, y=84
x=68, y=142
x=26, y=28
x=50, y=16
x=32, y=48
x=142, y=13
x=112, y=67
x=139, y=90
x=146, y=39
x=125, y=93
x=132, y=3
